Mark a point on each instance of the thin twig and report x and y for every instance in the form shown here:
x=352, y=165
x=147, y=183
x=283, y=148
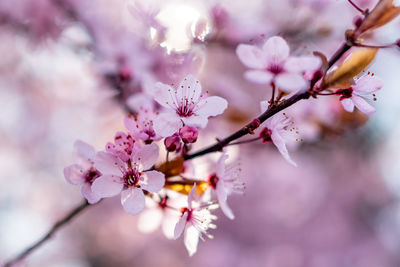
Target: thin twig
x=49, y=234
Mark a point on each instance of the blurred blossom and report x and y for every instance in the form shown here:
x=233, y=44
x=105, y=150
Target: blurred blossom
x=195, y=72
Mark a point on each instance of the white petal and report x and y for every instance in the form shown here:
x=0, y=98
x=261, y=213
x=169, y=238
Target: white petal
x=363, y=105
x=133, y=200
x=153, y=181
x=368, y=84
x=222, y=200
x=180, y=226
x=189, y=88
x=165, y=95
x=211, y=106
x=74, y=174
x=276, y=50
x=221, y=165
x=107, y=163
x=84, y=150
x=166, y=124
x=279, y=142
x=192, y=196
x=146, y=156
x=258, y=76
x=150, y=220
x=290, y=82
x=191, y=239
x=251, y=56
x=302, y=64
x=140, y=101
x=196, y=121
x=347, y=104
x=107, y=186
x=86, y=191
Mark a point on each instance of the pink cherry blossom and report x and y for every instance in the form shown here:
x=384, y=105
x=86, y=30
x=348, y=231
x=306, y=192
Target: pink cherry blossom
x=129, y=178
x=185, y=105
x=123, y=146
x=195, y=221
x=273, y=65
x=278, y=130
x=356, y=94
x=141, y=125
x=84, y=173
x=225, y=182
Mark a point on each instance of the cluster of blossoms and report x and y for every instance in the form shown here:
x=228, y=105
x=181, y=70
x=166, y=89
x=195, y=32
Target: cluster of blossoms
x=167, y=119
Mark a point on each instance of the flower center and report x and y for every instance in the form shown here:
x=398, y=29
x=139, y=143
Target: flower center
x=265, y=135
x=91, y=175
x=163, y=202
x=213, y=180
x=345, y=93
x=185, y=109
x=190, y=213
x=275, y=69
x=131, y=178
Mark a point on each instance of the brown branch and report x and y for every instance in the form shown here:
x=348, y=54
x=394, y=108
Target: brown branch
x=268, y=113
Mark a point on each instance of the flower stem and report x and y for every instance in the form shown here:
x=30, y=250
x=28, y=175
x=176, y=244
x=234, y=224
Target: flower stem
x=77, y=210
x=357, y=7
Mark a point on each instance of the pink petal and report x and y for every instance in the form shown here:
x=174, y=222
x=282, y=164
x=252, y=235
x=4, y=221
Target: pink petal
x=168, y=224
x=74, y=174
x=363, y=105
x=180, y=225
x=279, y=142
x=191, y=239
x=192, y=196
x=368, y=84
x=196, y=121
x=140, y=101
x=86, y=191
x=153, y=181
x=189, y=88
x=166, y=124
x=221, y=165
x=222, y=199
x=347, y=104
x=133, y=200
x=211, y=106
x=107, y=163
x=258, y=76
x=276, y=50
x=165, y=95
x=146, y=156
x=302, y=64
x=251, y=56
x=290, y=82
x=85, y=152
x=107, y=186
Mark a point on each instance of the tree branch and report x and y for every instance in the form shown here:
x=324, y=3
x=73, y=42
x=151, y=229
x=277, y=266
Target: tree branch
x=49, y=234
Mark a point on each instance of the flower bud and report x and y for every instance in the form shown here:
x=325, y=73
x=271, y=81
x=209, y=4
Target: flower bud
x=173, y=143
x=265, y=135
x=188, y=134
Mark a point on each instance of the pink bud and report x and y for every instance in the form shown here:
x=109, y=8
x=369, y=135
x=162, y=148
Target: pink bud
x=173, y=143
x=189, y=134
x=265, y=135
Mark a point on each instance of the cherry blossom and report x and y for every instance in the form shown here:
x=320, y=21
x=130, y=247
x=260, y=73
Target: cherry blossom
x=357, y=93
x=278, y=130
x=225, y=182
x=185, y=105
x=194, y=222
x=129, y=178
x=273, y=65
x=84, y=173
x=123, y=146
x=141, y=125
